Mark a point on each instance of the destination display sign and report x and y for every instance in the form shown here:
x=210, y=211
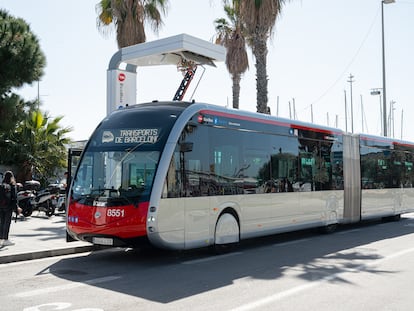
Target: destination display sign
x=130, y=136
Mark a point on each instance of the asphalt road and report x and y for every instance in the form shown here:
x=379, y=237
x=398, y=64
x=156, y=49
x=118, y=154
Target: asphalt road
x=365, y=267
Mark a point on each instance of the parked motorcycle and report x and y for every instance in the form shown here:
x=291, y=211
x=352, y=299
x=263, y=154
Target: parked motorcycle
x=25, y=196
x=24, y=201
x=44, y=202
x=59, y=199
x=61, y=203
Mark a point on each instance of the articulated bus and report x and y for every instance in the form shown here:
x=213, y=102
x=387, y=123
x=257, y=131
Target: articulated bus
x=184, y=175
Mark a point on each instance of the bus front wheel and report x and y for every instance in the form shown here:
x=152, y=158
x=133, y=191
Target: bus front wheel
x=227, y=233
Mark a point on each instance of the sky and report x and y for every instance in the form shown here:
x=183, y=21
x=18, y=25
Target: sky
x=315, y=47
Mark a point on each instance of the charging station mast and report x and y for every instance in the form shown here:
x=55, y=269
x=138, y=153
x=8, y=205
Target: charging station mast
x=175, y=50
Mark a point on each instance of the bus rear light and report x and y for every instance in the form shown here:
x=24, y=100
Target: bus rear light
x=151, y=219
x=153, y=209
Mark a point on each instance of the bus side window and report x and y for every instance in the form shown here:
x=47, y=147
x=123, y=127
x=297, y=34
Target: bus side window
x=283, y=166
x=225, y=162
x=320, y=162
x=188, y=172
x=172, y=182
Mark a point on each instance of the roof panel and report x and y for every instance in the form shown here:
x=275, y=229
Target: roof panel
x=170, y=51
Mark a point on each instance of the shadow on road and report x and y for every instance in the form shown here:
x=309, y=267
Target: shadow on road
x=165, y=277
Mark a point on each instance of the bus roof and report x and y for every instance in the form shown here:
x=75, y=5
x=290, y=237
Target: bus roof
x=204, y=108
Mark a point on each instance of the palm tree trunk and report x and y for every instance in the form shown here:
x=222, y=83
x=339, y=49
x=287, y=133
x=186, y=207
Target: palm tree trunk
x=24, y=172
x=260, y=54
x=236, y=90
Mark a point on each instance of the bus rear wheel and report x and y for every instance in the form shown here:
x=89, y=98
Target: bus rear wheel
x=396, y=217
x=328, y=229
x=227, y=233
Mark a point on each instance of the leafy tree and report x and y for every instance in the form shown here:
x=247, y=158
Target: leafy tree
x=129, y=18
x=21, y=60
x=259, y=18
x=16, y=108
x=28, y=138
x=12, y=110
x=230, y=35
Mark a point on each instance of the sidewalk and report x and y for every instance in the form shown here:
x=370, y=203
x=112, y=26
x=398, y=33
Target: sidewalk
x=38, y=236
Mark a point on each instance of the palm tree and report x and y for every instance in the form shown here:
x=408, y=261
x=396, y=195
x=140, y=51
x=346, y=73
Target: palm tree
x=129, y=18
x=42, y=142
x=230, y=35
x=259, y=18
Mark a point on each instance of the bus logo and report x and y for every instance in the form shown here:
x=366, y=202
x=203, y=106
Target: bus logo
x=107, y=137
x=121, y=77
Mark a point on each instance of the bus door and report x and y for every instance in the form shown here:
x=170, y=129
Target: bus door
x=194, y=194
x=73, y=160
x=352, y=177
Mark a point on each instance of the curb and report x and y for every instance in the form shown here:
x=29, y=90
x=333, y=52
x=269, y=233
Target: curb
x=46, y=253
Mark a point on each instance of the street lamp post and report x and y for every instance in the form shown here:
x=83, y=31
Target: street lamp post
x=384, y=89
x=377, y=91
x=351, y=80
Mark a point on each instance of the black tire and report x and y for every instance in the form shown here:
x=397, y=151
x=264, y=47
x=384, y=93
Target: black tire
x=27, y=211
x=26, y=207
x=50, y=209
x=62, y=208
x=329, y=228
x=392, y=218
x=69, y=238
x=220, y=249
x=397, y=217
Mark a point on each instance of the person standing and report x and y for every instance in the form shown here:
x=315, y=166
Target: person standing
x=8, y=204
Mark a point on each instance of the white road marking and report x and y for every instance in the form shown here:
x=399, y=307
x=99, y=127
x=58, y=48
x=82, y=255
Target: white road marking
x=292, y=242
x=71, y=285
x=273, y=298
x=58, y=306
x=212, y=258
x=348, y=231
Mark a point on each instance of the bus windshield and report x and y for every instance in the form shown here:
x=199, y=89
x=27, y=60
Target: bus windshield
x=119, y=163
x=115, y=178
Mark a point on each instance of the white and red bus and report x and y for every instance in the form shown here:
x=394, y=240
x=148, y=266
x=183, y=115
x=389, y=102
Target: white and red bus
x=184, y=175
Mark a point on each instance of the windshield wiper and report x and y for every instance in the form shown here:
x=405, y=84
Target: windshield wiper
x=122, y=197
